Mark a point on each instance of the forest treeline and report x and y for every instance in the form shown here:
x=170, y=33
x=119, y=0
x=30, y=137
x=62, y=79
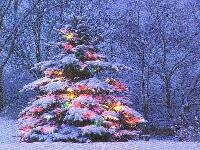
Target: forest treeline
x=158, y=39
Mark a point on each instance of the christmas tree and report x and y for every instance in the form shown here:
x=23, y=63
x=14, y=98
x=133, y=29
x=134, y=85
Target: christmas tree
x=75, y=105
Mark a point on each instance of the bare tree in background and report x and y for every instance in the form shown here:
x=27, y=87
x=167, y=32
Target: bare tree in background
x=10, y=6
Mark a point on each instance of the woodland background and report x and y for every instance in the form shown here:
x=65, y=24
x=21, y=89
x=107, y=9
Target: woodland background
x=159, y=39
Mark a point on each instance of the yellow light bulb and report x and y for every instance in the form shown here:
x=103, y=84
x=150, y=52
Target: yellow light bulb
x=118, y=107
x=71, y=94
x=69, y=36
x=60, y=73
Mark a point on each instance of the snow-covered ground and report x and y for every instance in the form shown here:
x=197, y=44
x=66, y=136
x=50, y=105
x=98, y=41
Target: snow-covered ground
x=136, y=145
x=9, y=141
x=8, y=131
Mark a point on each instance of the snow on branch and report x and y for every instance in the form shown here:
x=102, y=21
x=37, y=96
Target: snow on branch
x=81, y=114
x=55, y=86
x=108, y=65
x=88, y=130
x=36, y=84
x=94, y=83
x=58, y=62
x=86, y=100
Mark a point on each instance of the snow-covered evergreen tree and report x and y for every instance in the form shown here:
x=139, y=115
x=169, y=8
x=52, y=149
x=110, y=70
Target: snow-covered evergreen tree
x=76, y=105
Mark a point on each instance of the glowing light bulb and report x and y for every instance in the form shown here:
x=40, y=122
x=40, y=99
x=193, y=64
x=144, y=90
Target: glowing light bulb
x=38, y=110
x=67, y=105
x=71, y=94
x=70, y=90
x=93, y=90
x=69, y=36
x=133, y=120
x=109, y=117
x=114, y=126
x=108, y=80
x=118, y=107
x=58, y=73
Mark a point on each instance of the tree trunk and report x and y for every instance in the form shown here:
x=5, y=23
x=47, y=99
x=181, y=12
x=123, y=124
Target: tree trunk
x=38, y=50
x=146, y=105
x=145, y=102
x=168, y=97
x=37, y=29
x=2, y=100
